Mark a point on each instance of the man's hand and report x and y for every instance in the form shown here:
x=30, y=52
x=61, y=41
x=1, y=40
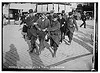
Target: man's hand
x=35, y=23
x=44, y=29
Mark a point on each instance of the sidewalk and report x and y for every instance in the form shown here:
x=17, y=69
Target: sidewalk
x=77, y=56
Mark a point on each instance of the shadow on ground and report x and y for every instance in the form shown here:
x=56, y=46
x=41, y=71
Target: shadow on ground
x=11, y=58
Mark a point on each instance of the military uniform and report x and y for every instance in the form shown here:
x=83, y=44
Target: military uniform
x=32, y=30
x=42, y=24
x=71, y=24
x=55, y=32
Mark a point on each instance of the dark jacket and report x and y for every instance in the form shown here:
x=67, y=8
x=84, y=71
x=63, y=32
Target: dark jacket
x=83, y=17
x=71, y=24
x=42, y=25
x=62, y=24
x=55, y=31
x=32, y=30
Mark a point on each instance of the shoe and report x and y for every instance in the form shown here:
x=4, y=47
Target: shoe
x=69, y=42
x=46, y=40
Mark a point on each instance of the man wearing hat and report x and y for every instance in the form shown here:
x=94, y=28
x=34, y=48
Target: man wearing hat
x=50, y=17
x=64, y=14
x=83, y=17
x=55, y=33
x=71, y=25
x=42, y=25
x=31, y=31
x=62, y=22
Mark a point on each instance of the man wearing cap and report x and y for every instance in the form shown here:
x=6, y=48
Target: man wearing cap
x=42, y=25
x=31, y=31
x=55, y=33
x=71, y=25
x=50, y=17
x=62, y=22
x=64, y=14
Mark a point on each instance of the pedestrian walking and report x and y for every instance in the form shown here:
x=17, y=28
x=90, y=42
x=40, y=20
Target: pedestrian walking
x=83, y=17
x=43, y=24
x=62, y=22
x=31, y=30
x=71, y=25
x=50, y=17
x=55, y=34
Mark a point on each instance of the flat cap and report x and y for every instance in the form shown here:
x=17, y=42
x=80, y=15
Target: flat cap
x=52, y=11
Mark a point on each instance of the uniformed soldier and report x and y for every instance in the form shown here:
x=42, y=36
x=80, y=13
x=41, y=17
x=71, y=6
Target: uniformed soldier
x=71, y=25
x=50, y=17
x=62, y=22
x=55, y=33
x=42, y=25
x=83, y=17
x=32, y=30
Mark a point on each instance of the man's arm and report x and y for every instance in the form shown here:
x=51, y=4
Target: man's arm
x=57, y=26
x=75, y=24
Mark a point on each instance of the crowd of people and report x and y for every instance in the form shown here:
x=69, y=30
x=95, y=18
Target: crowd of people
x=48, y=28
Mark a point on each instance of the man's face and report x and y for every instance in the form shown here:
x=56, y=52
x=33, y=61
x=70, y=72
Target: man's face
x=54, y=19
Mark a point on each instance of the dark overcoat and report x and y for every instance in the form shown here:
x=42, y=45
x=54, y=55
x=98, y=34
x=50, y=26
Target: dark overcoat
x=55, y=33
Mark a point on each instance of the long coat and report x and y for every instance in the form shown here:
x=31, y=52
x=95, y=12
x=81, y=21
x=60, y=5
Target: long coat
x=71, y=24
x=31, y=29
x=55, y=31
x=42, y=24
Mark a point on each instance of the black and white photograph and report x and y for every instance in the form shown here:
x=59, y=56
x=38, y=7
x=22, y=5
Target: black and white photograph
x=49, y=36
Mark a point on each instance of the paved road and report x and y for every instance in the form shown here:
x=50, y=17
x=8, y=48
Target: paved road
x=77, y=56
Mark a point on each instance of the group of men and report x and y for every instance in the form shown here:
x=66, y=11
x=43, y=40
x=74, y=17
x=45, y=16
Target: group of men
x=54, y=26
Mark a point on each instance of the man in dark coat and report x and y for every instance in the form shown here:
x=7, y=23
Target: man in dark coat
x=62, y=22
x=43, y=24
x=32, y=30
x=23, y=19
x=83, y=17
x=50, y=17
x=64, y=14
x=55, y=34
x=71, y=25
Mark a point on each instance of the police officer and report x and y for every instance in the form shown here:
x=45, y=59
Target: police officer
x=83, y=17
x=42, y=25
x=50, y=17
x=55, y=33
x=71, y=25
x=32, y=30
